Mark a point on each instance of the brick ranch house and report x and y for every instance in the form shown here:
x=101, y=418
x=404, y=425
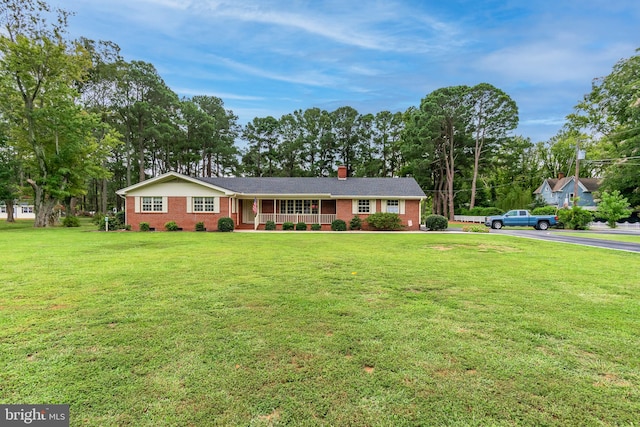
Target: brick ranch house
x=188, y=200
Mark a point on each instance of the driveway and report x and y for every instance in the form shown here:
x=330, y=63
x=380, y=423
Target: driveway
x=560, y=236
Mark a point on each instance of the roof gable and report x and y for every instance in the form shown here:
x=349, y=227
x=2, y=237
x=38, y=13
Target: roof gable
x=557, y=185
x=587, y=185
x=547, y=184
x=168, y=177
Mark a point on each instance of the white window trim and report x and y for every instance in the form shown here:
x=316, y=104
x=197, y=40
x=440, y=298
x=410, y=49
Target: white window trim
x=138, y=205
x=298, y=206
x=190, y=205
x=384, y=205
x=355, y=210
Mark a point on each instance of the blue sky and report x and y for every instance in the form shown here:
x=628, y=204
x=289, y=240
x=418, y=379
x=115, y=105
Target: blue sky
x=272, y=57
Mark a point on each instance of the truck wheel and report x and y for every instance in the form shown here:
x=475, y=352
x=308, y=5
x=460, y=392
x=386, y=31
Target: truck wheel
x=543, y=225
x=496, y=225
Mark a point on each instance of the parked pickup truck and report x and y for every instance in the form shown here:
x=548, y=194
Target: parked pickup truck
x=521, y=218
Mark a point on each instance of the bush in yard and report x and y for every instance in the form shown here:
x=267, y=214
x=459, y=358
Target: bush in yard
x=225, y=224
x=612, y=207
x=355, y=223
x=475, y=228
x=339, y=225
x=120, y=216
x=384, y=221
x=301, y=226
x=96, y=218
x=575, y=218
x=436, y=222
x=316, y=227
x=270, y=225
x=200, y=226
x=114, y=224
x=171, y=226
x=144, y=226
x=71, y=221
x=287, y=226
x=545, y=210
x=538, y=202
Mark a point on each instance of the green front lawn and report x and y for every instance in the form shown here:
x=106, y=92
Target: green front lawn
x=632, y=238
x=303, y=328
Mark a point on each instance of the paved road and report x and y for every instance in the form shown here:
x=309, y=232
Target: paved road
x=560, y=236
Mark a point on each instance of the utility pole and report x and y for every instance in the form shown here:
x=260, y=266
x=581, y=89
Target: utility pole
x=579, y=156
x=575, y=178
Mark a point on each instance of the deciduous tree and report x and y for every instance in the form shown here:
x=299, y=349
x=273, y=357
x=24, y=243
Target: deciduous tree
x=447, y=116
x=612, y=207
x=611, y=112
x=492, y=115
x=39, y=74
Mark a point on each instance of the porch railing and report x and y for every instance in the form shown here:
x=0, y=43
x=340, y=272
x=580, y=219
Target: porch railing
x=296, y=218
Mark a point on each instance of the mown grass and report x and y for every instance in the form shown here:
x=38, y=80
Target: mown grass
x=303, y=328
x=632, y=238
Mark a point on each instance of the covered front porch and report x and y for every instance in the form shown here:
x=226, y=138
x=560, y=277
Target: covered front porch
x=257, y=212
x=296, y=218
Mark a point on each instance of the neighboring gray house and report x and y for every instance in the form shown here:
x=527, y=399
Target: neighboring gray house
x=559, y=191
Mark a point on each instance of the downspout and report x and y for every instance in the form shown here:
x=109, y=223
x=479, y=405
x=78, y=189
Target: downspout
x=125, y=207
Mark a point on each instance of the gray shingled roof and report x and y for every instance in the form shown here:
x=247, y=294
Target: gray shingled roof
x=592, y=184
x=557, y=184
x=364, y=187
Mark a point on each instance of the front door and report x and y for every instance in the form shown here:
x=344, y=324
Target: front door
x=247, y=211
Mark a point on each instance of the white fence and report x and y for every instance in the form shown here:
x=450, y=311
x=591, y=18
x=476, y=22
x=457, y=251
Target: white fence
x=469, y=218
x=296, y=218
x=598, y=225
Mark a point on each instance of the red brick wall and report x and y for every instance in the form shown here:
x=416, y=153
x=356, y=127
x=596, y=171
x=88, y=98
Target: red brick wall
x=411, y=212
x=344, y=211
x=177, y=212
x=187, y=221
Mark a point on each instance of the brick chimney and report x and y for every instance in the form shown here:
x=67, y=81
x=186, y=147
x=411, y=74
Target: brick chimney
x=560, y=175
x=342, y=173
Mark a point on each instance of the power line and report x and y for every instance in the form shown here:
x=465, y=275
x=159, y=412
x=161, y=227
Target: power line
x=462, y=190
x=612, y=160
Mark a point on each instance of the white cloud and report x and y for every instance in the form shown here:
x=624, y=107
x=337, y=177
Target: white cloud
x=221, y=95
x=270, y=57
x=352, y=24
x=550, y=62
x=547, y=121
x=171, y=4
x=311, y=78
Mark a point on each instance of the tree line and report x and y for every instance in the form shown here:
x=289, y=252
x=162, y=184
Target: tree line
x=78, y=122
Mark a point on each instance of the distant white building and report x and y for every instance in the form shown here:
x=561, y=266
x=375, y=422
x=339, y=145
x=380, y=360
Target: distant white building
x=20, y=211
